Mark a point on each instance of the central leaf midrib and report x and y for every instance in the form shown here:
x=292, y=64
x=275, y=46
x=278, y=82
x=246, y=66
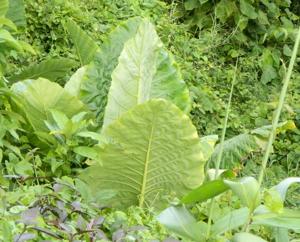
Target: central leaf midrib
x=147, y=160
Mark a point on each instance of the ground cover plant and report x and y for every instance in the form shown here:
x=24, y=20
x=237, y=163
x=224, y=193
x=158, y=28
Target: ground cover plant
x=149, y=120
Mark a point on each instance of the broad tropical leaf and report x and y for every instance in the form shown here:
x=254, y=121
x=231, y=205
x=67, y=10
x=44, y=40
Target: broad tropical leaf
x=96, y=81
x=51, y=69
x=180, y=221
x=86, y=47
x=36, y=98
x=208, y=145
x=206, y=191
x=283, y=186
x=8, y=41
x=3, y=7
x=247, y=237
x=16, y=12
x=145, y=71
x=154, y=149
x=240, y=146
x=287, y=218
x=7, y=22
x=247, y=189
x=230, y=221
x=73, y=85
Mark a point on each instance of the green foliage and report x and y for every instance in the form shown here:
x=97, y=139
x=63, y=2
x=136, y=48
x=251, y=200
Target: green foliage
x=179, y=220
x=36, y=99
x=96, y=80
x=247, y=237
x=239, y=147
x=205, y=38
x=153, y=150
x=51, y=69
x=4, y=7
x=144, y=71
x=16, y=13
x=85, y=46
x=207, y=190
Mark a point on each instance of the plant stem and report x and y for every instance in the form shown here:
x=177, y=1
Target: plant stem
x=219, y=158
x=278, y=110
x=275, y=121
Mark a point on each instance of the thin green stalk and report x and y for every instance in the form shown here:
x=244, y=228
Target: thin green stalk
x=275, y=120
x=278, y=110
x=219, y=158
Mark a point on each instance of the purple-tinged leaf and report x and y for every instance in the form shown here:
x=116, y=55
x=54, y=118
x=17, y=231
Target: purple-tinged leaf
x=24, y=237
x=76, y=205
x=118, y=235
x=29, y=217
x=101, y=235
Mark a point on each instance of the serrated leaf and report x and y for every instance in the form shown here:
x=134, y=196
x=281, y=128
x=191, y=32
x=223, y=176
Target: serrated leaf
x=154, y=149
x=224, y=9
x=247, y=9
x=269, y=73
x=191, y=4
x=89, y=152
x=145, y=71
x=86, y=47
x=51, y=69
x=262, y=18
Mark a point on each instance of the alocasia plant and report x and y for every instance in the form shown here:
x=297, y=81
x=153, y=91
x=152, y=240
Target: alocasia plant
x=152, y=150
x=96, y=79
x=36, y=98
x=145, y=71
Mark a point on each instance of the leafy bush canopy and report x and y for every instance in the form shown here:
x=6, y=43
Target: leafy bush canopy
x=153, y=149
x=102, y=104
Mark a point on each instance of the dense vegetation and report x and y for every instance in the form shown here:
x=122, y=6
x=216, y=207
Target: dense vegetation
x=149, y=120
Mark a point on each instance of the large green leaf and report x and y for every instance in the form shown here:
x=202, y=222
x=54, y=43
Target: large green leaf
x=247, y=9
x=37, y=97
x=51, y=69
x=96, y=81
x=283, y=186
x=246, y=237
x=287, y=218
x=154, y=149
x=16, y=12
x=231, y=221
x=73, y=85
x=8, y=41
x=247, y=189
x=145, y=71
x=180, y=221
x=3, y=7
x=207, y=190
x=86, y=47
